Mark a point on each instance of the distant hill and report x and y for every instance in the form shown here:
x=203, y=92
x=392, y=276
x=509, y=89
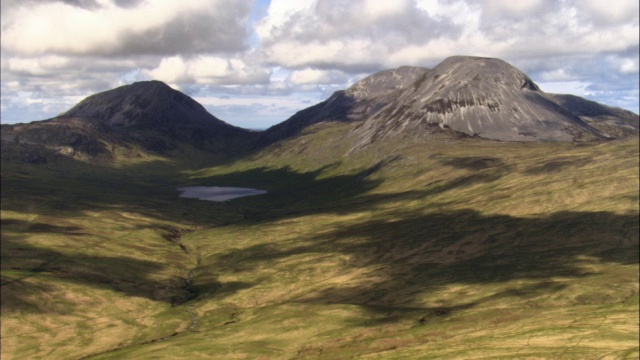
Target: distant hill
x=612, y=121
x=145, y=116
x=470, y=96
x=462, y=96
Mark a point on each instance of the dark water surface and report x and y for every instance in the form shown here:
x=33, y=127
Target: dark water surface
x=217, y=193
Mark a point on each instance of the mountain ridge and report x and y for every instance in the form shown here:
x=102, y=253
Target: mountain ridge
x=362, y=99
x=461, y=96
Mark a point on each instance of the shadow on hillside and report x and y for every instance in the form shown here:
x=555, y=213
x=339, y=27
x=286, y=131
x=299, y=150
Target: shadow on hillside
x=290, y=192
x=70, y=195
x=411, y=256
x=144, y=190
x=474, y=163
x=408, y=256
x=34, y=278
x=558, y=165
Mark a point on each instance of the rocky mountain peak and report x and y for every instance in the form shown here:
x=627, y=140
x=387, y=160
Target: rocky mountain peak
x=146, y=104
x=385, y=82
x=480, y=74
x=147, y=115
x=477, y=96
x=357, y=103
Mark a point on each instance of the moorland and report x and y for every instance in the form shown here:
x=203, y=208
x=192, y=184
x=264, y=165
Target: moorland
x=456, y=248
x=433, y=244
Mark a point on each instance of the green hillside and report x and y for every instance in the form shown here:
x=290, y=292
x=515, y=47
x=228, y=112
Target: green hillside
x=441, y=249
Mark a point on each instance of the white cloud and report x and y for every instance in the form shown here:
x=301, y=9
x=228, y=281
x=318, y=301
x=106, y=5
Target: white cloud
x=558, y=75
x=375, y=9
x=350, y=36
x=206, y=69
x=56, y=50
x=609, y=11
x=347, y=36
x=316, y=76
x=280, y=11
x=37, y=66
x=565, y=87
x=520, y=8
x=629, y=66
x=623, y=64
x=172, y=69
x=151, y=27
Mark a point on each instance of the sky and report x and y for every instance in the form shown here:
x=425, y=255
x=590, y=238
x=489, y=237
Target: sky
x=254, y=63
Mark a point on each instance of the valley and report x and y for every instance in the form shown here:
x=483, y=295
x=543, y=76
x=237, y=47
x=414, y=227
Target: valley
x=457, y=212
x=516, y=248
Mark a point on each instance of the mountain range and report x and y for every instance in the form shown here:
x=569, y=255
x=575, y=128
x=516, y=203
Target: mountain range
x=461, y=96
x=457, y=212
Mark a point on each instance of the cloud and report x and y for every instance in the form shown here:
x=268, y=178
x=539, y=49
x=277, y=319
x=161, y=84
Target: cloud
x=609, y=12
x=370, y=35
x=350, y=36
x=624, y=64
x=255, y=111
x=150, y=27
x=207, y=69
x=54, y=51
x=40, y=66
x=25, y=106
x=565, y=87
x=516, y=9
x=316, y=76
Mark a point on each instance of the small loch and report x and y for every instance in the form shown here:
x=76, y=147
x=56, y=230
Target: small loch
x=217, y=193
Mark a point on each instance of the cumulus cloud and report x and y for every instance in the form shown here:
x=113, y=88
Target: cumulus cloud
x=554, y=41
x=40, y=66
x=150, y=27
x=521, y=8
x=57, y=50
x=208, y=70
x=351, y=36
x=372, y=34
x=609, y=12
x=316, y=76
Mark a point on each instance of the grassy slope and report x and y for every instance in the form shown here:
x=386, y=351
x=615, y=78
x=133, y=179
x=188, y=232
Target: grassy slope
x=447, y=249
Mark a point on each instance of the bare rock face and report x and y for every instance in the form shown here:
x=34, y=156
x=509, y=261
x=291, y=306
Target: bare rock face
x=481, y=97
x=149, y=115
x=386, y=82
x=357, y=103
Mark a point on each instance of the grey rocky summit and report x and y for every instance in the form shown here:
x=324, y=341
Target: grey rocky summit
x=482, y=97
x=357, y=103
x=461, y=96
